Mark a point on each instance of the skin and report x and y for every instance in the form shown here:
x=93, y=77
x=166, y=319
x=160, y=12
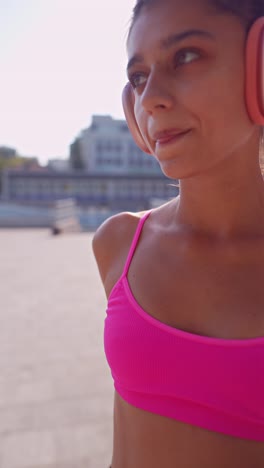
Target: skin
x=208, y=243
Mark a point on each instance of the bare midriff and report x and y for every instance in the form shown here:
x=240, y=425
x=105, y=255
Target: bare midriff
x=147, y=440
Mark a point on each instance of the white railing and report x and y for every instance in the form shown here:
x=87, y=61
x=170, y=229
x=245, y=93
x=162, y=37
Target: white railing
x=65, y=217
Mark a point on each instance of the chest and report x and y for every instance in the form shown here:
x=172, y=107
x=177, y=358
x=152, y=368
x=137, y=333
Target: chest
x=207, y=292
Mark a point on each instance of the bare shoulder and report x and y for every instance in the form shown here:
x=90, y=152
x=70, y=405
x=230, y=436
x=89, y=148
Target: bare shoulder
x=111, y=243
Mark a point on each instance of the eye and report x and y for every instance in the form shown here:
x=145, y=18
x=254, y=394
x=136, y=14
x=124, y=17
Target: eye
x=137, y=79
x=186, y=56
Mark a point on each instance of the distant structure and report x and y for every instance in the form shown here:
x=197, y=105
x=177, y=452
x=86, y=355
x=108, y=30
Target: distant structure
x=106, y=173
x=59, y=165
x=107, y=147
x=108, y=192
x=7, y=153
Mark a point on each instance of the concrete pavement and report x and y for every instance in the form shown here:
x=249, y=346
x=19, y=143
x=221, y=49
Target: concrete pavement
x=56, y=392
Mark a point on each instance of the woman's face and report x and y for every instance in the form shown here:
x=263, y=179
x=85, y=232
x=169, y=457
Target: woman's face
x=186, y=64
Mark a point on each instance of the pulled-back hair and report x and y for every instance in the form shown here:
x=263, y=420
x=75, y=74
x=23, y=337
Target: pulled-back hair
x=247, y=10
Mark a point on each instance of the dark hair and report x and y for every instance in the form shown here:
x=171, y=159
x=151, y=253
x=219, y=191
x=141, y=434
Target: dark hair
x=247, y=10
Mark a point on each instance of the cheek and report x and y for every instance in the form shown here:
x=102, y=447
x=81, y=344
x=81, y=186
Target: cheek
x=218, y=109
x=219, y=105
x=141, y=118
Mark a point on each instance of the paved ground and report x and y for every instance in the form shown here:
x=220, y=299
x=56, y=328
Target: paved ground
x=56, y=394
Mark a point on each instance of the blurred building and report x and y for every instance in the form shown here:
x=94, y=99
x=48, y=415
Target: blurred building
x=7, y=153
x=113, y=192
x=107, y=147
x=59, y=165
x=106, y=171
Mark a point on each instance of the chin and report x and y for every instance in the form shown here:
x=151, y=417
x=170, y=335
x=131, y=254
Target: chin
x=175, y=170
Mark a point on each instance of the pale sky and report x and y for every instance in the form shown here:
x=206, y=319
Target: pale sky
x=61, y=62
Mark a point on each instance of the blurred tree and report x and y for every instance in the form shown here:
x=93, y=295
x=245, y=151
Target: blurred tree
x=9, y=159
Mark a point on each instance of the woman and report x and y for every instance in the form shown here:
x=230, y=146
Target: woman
x=184, y=333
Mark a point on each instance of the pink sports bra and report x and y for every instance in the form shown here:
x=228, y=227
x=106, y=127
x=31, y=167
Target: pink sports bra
x=213, y=383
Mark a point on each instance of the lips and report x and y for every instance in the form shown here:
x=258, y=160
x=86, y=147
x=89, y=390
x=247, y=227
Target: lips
x=166, y=136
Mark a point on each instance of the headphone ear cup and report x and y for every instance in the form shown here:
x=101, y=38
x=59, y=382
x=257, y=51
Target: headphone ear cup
x=128, y=101
x=254, y=64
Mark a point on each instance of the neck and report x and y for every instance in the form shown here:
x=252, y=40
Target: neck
x=225, y=203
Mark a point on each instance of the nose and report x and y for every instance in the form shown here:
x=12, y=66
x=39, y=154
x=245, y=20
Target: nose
x=156, y=94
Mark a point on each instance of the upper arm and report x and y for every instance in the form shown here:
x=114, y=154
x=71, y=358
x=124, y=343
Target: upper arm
x=111, y=244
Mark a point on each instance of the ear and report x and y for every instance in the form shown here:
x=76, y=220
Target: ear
x=128, y=101
x=254, y=64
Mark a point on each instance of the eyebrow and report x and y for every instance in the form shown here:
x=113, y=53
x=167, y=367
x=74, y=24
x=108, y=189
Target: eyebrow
x=171, y=40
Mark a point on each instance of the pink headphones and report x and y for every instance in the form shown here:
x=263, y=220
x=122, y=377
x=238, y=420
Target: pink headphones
x=254, y=85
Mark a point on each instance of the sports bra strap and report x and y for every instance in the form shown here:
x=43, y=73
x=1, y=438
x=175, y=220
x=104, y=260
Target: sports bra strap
x=135, y=241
